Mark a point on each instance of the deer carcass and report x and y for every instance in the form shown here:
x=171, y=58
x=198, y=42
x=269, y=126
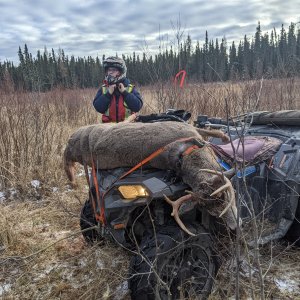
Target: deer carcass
x=127, y=144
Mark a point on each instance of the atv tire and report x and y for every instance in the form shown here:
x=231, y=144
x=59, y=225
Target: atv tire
x=293, y=234
x=187, y=265
x=87, y=220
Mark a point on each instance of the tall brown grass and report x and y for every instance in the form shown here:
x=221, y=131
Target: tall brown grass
x=241, y=97
x=34, y=127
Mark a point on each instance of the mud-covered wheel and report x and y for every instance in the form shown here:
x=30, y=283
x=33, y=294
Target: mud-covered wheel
x=87, y=220
x=173, y=263
x=293, y=234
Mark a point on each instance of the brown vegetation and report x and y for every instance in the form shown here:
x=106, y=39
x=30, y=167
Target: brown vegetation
x=42, y=254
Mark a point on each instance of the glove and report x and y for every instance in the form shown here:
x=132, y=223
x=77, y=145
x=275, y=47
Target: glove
x=121, y=88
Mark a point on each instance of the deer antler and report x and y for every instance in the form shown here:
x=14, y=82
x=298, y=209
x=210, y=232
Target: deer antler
x=227, y=187
x=176, y=205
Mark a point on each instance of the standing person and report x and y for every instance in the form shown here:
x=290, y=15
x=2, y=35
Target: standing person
x=117, y=99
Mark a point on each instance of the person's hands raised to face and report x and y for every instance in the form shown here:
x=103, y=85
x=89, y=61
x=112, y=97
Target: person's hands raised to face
x=113, y=72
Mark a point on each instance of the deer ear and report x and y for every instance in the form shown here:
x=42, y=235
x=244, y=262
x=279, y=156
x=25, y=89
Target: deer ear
x=213, y=133
x=174, y=154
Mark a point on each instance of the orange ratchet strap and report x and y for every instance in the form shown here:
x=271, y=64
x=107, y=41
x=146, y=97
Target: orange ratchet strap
x=88, y=182
x=159, y=151
x=100, y=199
x=189, y=150
x=144, y=161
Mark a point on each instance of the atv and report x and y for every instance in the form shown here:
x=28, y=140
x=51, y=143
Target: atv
x=167, y=263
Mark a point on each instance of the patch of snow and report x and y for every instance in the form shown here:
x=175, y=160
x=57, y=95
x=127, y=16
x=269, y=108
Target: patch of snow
x=69, y=188
x=4, y=288
x=100, y=264
x=285, y=284
x=55, y=189
x=13, y=191
x=35, y=183
x=81, y=173
x=121, y=291
x=2, y=196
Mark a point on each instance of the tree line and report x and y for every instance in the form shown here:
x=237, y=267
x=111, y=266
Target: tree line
x=270, y=55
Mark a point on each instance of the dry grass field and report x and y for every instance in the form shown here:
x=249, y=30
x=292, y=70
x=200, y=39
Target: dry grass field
x=42, y=253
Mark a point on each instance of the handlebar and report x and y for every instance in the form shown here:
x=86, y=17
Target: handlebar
x=204, y=121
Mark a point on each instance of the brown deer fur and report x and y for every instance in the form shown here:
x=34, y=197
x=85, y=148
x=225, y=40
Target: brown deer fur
x=127, y=144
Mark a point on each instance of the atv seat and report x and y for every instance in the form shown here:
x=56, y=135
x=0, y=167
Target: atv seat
x=250, y=149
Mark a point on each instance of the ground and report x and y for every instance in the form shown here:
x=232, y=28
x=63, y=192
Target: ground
x=43, y=255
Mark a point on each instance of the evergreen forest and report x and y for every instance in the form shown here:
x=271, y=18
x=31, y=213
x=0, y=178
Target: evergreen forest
x=274, y=55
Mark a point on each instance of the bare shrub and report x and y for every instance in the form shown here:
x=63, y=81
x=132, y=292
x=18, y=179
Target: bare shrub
x=242, y=97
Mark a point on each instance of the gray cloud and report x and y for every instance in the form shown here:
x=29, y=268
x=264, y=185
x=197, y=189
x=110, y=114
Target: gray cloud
x=93, y=28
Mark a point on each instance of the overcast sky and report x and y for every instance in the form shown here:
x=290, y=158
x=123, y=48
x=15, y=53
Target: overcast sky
x=91, y=27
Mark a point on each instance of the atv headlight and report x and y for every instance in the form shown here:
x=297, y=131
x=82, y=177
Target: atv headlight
x=130, y=192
